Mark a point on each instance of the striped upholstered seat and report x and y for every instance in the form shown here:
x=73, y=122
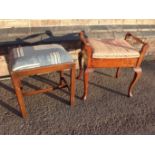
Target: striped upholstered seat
x=38, y=56
x=113, y=49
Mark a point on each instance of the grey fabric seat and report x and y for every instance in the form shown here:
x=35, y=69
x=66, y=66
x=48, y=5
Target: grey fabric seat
x=37, y=56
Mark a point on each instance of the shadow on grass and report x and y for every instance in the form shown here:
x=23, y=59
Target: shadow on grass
x=104, y=74
x=11, y=90
x=7, y=106
x=102, y=87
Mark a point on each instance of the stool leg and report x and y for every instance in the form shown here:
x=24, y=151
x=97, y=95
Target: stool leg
x=63, y=82
x=72, y=96
x=61, y=78
x=86, y=77
x=16, y=82
x=117, y=73
x=80, y=65
x=138, y=73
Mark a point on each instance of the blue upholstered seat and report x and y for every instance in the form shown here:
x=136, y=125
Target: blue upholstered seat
x=38, y=56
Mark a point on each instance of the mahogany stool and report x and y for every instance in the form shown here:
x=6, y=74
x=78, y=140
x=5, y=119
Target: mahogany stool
x=41, y=59
x=111, y=53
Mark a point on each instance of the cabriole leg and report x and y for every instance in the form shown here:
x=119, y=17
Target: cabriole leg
x=80, y=65
x=117, y=73
x=86, y=78
x=138, y=73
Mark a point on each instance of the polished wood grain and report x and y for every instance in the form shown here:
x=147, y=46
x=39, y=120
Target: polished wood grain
x=17, y=76
x=17, y=86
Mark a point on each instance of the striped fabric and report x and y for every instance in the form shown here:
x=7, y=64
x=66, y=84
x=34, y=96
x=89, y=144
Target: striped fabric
x=37, y=56
x=113, y=49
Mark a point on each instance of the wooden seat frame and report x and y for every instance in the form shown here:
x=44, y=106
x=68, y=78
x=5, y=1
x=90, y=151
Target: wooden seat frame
x=17, y=76
x=118, y=63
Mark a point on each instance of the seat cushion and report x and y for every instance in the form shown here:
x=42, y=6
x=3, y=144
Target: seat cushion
x=38, y=56
x=113, y=49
